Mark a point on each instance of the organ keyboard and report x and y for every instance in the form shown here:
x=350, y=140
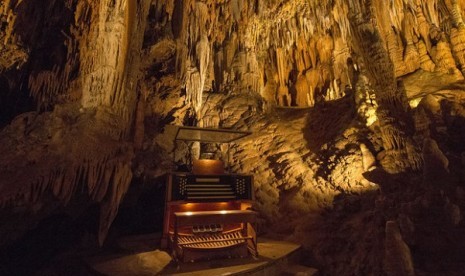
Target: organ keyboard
x=209, y=216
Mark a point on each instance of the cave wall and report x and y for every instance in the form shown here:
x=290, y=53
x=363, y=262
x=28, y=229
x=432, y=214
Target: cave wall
x=284, y=49
x=77, y=139
x=242, y=64
x=339, y=109
x=333, y=91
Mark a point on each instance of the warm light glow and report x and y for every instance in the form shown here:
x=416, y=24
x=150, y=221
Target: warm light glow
x=208, y=166
x=414, y=103
x=189, y=213
x=187, y=207
x=223, y=212
x=371, y=117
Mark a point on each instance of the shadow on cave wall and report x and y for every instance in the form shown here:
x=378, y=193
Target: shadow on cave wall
x=63, y=236
x=454, y=118
x=327, y=120
x=349, y=236
x=43, y=27
x=142, y=209
x=59, y=232
x=13, y=103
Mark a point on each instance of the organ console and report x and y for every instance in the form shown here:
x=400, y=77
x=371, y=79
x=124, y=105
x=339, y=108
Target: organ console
x=208, y=213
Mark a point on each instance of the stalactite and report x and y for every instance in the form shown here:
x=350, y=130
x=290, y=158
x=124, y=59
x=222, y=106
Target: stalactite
x=313, y=78
x=430, y=10
x=396, y=53
x=411, y=59
x=99, y=62
x=340, y=16
x=302, y=54
x=303, y=89
x=47, y=85
x=290, y=32
x=203, y=59
x=13, y=54
x=341, y=54
x=194, y=65
x=83, y=148
x=193, y=88
x=283, y=75
x=247, y=72
x=455, y=12
x=411, y=55
x=443, y=59
x=95, y=167
x=325, y=47
x=230, y=51
x=109, y=209
x=457, y=38
x=139, y=128
x=423, y=25
x=425, y=60
x=11, y=18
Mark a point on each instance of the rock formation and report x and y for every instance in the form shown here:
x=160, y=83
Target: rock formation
x=356, y=108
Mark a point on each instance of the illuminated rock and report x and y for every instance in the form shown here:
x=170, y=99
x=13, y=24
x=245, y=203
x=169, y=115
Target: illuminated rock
x=330, y=90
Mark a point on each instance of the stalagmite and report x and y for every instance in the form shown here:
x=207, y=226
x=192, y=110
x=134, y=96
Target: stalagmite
x=367, y=158
x=436, y=164
x=390, y=97
x=398, y=258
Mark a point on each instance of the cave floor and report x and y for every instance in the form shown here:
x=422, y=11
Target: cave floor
x=275, y=258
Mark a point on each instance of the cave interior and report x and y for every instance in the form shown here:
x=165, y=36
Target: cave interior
x=355, y=110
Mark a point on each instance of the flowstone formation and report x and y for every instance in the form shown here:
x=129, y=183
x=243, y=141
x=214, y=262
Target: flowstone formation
x=78, y=138
x=356, y=108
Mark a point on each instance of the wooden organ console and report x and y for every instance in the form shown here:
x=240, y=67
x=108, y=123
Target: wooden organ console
x=208, y=214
